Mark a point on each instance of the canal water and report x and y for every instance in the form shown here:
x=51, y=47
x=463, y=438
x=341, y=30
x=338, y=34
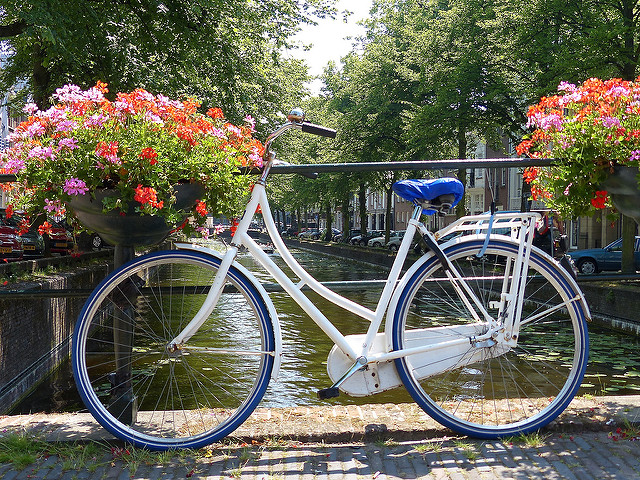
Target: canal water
x=614, y=368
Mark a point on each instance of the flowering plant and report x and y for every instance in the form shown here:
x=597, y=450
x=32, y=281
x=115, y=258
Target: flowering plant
x=591, y=128
x=139, y=145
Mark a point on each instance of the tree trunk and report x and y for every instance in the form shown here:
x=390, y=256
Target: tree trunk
x=462, y=172
x=329, y=232
x=346, y=217
x=41, y=78
x=389, y=214
x=362, y=200
x=628, y=243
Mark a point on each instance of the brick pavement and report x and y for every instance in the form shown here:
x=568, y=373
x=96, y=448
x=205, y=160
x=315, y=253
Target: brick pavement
x=595, y=438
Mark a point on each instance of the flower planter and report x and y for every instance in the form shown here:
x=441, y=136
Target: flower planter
x=130, y=229
x=622, y=186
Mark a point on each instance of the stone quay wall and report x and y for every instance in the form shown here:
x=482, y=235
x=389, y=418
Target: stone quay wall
x=36, y=330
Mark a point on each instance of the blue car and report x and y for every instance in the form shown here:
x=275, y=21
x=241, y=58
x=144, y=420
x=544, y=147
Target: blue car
x=609, y=258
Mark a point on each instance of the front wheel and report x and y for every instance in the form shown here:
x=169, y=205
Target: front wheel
x=158, y=397
x=489, y=390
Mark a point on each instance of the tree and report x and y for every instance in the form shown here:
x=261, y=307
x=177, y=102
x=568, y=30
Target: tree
x=225, y=53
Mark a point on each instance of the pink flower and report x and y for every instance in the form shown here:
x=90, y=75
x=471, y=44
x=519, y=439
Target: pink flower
x=251, y=122
x=566, y=87
x=96, y=120
x=609, y=122
x=69, y=93
x=36, y=130
x=70, y=143
x=30, y=108
x=66, y=126
x=75, y=186
x=256, y=159
x=54, y=206
x=41, y=152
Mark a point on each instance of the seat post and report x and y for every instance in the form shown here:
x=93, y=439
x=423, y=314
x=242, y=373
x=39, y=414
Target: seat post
x=417, y=212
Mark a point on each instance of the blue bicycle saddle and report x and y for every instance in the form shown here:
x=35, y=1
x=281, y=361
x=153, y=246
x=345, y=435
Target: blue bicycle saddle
x=429, y=190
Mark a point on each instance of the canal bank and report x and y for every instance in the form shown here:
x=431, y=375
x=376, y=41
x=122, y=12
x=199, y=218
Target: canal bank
x=35, y=325
x=613, y=304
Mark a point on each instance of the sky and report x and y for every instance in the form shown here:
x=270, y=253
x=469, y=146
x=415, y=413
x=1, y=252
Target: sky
x=328, y=38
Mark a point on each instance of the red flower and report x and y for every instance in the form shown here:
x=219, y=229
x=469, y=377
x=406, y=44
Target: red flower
x=45, y=228
x=150, y=154
x=23, y=226
x=234, y=226
x=201, y=208
x=106, y=150
x=215, y=113
x=530, y=174
x=600, y=200
x=147, y=195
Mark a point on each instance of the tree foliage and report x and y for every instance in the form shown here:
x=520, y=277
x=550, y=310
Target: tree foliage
x=226, y=53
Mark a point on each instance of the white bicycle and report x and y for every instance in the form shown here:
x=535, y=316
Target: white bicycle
x=488, y=334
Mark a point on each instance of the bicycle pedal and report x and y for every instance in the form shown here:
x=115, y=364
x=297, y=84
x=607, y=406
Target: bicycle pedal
x=327, y=393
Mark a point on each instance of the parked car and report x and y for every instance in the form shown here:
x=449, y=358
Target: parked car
x=32, y=241
x=340, y=236
x=322, y=235
x=609, y=258
x=379, y=241
x=32, y=244
x=310, y=234
x=394, y=240
x=290, y=232
x=11, y=249
x=363, y=239
x=62, y=241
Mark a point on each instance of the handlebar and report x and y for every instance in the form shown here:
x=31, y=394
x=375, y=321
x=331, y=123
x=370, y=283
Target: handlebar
x=318, y=130
x=295, y=119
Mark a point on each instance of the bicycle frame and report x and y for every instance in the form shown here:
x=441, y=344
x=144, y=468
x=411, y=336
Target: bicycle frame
x=364, y=354
x=369, y=350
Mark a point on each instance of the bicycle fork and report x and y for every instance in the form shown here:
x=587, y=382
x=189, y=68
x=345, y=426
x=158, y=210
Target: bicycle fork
x=209, y=303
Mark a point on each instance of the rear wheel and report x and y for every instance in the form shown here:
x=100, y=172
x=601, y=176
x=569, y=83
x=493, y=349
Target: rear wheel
x=489, y=390
x=154, y=396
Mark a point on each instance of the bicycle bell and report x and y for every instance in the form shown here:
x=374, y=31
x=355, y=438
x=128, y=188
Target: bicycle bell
x=296, y=115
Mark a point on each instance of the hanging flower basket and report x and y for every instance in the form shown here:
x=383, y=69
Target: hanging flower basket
x=131, y=228
x=137, y=146
x=593, y=130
